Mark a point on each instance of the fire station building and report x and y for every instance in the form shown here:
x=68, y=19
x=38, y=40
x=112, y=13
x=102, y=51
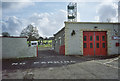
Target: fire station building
x=88, y=39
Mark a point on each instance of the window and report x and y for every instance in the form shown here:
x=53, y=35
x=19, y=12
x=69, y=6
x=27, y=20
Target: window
x=55, y=40
x=97, y=45
x=103, y=45
x=91, y=45
x=97, y=38
x=85, y=45
x=85, y=38
x=90, y=38
x=64, y=35
x=103, y=38
x=60, y=41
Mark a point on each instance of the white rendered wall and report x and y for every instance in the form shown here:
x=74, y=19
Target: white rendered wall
x=17, y=48
x=74, y=44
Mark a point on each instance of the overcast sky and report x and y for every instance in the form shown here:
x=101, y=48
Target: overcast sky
x=49, y=17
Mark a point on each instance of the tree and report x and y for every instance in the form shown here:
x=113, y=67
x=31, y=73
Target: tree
x=5, y=34
x=31, y=32
x=45, y=38
x=108, y=19
x=40, y=40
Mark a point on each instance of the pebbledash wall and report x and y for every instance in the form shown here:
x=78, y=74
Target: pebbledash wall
x=16, y=47
x=59, y=40
x=74, y=44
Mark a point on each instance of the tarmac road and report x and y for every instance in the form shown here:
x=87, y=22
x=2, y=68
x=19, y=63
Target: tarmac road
x=50, y=65
x=46, y=58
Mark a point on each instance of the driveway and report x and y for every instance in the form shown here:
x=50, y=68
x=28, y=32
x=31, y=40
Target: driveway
x=46, y=58
x=50, y=65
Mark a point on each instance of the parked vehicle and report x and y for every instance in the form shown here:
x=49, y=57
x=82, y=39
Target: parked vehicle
x=34, y=43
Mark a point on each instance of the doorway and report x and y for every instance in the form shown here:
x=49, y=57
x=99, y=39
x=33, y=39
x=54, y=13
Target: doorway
x=94, y=43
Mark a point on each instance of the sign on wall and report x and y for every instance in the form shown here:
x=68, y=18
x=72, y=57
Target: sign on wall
x=116, y=37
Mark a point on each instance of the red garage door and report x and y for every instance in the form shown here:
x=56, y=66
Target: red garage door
x=94, y=44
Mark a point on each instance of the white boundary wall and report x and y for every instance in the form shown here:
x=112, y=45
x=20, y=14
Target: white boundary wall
x=14, y=47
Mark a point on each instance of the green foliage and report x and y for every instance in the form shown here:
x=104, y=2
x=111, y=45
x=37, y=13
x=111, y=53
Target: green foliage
x=46, y=43
x=5, y=34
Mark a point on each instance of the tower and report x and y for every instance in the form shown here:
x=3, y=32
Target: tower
x=72, y=12
x=119, y=11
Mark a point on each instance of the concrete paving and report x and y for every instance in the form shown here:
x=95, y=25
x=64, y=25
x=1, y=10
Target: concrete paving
x=50, y=65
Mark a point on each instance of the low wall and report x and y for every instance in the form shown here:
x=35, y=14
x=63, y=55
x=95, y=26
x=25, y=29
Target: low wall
x=15, y=47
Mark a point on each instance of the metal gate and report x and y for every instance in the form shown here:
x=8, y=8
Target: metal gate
x=94, y=43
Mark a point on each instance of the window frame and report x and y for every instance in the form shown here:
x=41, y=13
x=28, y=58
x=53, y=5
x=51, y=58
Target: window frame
x=97, y=38
x=97, y=45
x=85, y=38
x=84, y=45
